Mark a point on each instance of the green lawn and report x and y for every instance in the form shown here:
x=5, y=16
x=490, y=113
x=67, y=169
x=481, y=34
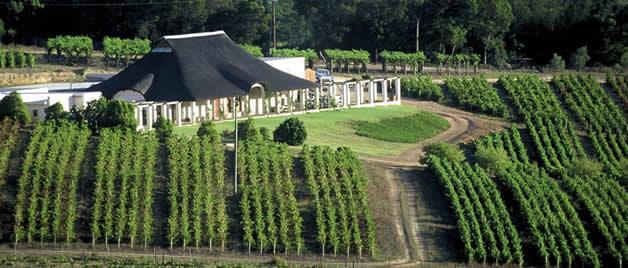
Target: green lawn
x=409, y=129
x=336, y=128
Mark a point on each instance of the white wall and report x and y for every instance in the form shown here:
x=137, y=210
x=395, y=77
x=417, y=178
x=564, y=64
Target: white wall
x=294, y=66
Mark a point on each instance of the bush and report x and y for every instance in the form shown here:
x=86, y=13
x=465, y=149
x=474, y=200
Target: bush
x=71, y=47
x=445, y=151
x=163, y=128
x=21, y=59
x=585, y=168
x=580, y=58
x=13, y=107
x=253, y=50
x=557, y=63
x=3, y=60
x=10, y=59
x=115, y=49
x=421, y=87
x=208, y=129
x=31, y=60
x=102, y=113
x=265, y=133
x=56, y=112
x=494, y=160
x=291, y=131
x=247, y=130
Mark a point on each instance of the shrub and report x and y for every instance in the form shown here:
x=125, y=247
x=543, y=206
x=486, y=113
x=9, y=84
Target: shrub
x=247, y=130
x=291, y=131
x=421, y=87
x=56, y=112
x=3, y=59
x=163, y=128
x=556, y=63
x=585, y=168
x=494, y=160
x=31, y=60
x=253, y=50
x=20, y=59
x=10, y=59
x=102, y=113
x=12, y=106
x=265, y=133
x=445, y=151
x=208, y=129
x=580, y=58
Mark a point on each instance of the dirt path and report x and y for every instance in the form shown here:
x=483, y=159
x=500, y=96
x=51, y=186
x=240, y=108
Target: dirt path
x=464, y=126
x=428, y=227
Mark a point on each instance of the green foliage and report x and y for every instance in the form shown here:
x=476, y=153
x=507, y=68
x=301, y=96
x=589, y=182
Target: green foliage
x=3, y=60
x=20, y=59
x=253, y=50
x=309, y=54
x=9, y=130
x=116, y=49
x=30, y=59
x=494, y=160
x=397, y=58
x=623, y=61
x=265, y=133
x=359, y=58
x=207, y=129
x=291, y=131
x=104, y=113
x=71, y=47
x=164, y=129
x=557, y=63
x=476, y=94
x=247, y=130
x=445, y=151
x=458, y=61
x=409, y=129
x=11, y=106
x=11, y=61
x=421, y=87
x=56, y=112
x=580, y=58
x=585, y=168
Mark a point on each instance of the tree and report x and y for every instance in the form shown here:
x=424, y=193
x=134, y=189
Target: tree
x=103, y=113
x=163, y=128
x=580, y=58
x=12, y=106
x=494, y=160
x=208, y=129
x=247, y=130
x=265, y=133
x=291, y=131
x=445, y=151
x=556, y=63
x=624, y=59
x=56, y=112
x=456, y=37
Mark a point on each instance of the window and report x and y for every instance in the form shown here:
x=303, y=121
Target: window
x=35, y=113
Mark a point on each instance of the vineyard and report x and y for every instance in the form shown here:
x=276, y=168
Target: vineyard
x=484, y=224
x=196, y=192
x=123, y=197
x=271, y=218
x=8, y=141
x=619, y=84
x=46, y=202
x=338, y=189
x=552, y=132
x=599, y=116
x=476, y=94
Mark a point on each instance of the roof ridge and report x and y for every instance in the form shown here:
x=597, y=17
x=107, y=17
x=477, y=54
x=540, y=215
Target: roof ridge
x=191, y=35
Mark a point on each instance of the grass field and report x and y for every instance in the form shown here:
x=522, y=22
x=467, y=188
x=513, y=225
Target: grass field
x=336, y=128
x=409, y=129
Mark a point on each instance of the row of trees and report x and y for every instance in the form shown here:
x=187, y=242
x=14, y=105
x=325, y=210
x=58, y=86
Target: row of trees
x=196, y=191
x=476, y=94
x=122, y=209
x=46, y=202
x=70, y=48
x=16, y=59
x=599, y=115
x=336, y=58
x=461, y=63
x=9, y=136
x=484, y=223
x=552, y=132
x=270, y=214
x=116, y=49
x=403, y=59
x=338, y=190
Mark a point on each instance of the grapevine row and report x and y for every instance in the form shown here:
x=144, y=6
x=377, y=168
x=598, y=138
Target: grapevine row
x=8, y=140
x=476, y=94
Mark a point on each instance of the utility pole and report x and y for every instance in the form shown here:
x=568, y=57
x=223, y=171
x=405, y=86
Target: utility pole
x=274, y=2
x=418, y=25
x=235, y=145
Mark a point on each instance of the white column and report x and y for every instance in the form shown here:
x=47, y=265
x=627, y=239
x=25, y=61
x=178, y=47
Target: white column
x=149, y=118
x=398, y=89
x=317, y=95
x=303, y=98
x=140, y=117
x=358, y=92
x=385, y=89
x=194, y=112
x=135, y=113
x=345, y=95
x=178, y=108
x=290, y=101
x=372, y=94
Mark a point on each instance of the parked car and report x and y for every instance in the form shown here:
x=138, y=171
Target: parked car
x=323, y=75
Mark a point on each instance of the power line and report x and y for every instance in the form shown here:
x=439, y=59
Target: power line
x=79, y=4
